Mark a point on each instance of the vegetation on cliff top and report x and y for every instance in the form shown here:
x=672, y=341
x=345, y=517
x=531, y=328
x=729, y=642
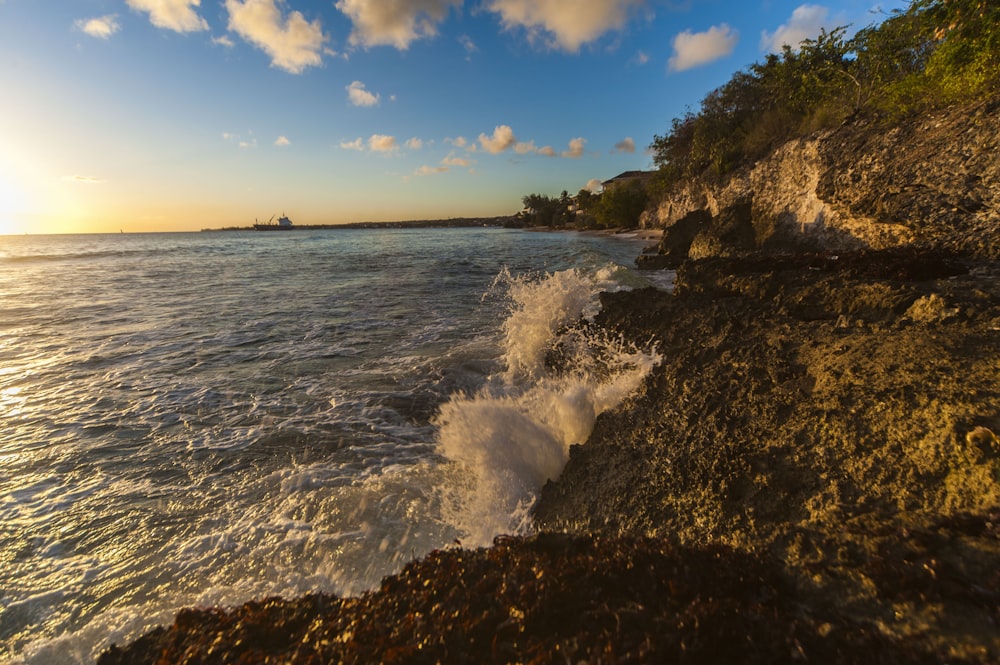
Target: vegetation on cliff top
x=930, y=55
x=620, y=206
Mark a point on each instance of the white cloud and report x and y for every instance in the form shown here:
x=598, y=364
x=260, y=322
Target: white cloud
x=525, y=147
x=451, y=160
x=293, y=43
x=805, y=23
x=415, y=143
x=430, y=170
x=575, y=148
x=692, y=49
x=282, y=141
x=394, y=22
x=357, y=144
x=502, y=139
x=458, y=141
x=83, y=179
x=177, y=15
x=250, y=142
x=547, y=151
x=102, y=27
x=640, y=58
x=382, y=143
x=469, y=46
x=359, y=96
x=593, y=185
x=625, y=145
x=565, y=24
x=224, y=40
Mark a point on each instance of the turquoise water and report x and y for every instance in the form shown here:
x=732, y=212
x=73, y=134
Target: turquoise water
x=197, y=419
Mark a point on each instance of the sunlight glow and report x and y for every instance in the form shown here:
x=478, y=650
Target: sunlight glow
x=13, y=204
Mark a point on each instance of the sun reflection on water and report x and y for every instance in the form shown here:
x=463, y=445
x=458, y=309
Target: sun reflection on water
x=11, y=400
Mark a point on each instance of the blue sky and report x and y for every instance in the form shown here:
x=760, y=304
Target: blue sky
x=171, y=115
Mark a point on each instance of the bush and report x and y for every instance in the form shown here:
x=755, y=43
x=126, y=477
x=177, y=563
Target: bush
x=934, y=53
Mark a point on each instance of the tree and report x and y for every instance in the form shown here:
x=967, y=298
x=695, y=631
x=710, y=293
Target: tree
x=934, y=53
x=543, y=210
x=621, y=206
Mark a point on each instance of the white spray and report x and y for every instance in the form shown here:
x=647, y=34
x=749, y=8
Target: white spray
x=515, y=434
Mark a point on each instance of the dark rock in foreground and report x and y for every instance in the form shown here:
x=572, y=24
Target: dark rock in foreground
x=549, y=599
x=835, y=411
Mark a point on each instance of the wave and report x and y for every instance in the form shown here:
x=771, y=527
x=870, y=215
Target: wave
x=559, y=375
x=94, y=255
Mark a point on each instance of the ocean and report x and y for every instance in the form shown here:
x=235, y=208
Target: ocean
x=200, y=419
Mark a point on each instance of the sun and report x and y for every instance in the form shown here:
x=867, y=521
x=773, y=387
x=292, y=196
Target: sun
x=14, y=205
x=7, y=228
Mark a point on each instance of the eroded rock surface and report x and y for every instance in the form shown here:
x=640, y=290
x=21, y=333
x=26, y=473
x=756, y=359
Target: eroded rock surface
x=934, y=182
x=820, y=408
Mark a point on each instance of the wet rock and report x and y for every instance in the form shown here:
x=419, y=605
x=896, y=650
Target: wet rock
x=557, y=598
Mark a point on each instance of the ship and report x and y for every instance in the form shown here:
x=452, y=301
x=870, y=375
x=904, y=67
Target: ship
x=283, y=224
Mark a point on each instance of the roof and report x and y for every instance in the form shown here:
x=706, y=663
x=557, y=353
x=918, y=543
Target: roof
x=630, y=175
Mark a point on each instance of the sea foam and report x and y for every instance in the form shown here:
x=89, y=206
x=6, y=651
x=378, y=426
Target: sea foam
x=559, y=375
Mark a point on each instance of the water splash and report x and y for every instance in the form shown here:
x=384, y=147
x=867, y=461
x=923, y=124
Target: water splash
x=559, y=376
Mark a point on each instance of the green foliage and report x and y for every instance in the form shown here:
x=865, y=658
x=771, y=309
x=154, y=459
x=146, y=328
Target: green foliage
x=618, y=206
x=934, y=53
x=621, y=206
x=543, y=210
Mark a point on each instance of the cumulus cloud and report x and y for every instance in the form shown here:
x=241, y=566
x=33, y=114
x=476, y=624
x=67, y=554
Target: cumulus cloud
x=502, y=139
x=458, y=141
x=547, y=151
x=430, y=170
x=415, y=143
x=224, y=40
x=523, y=148
x=565, y=24
x=382, y=143
x=292, y=43
x=575, y=148
x=452, y=160
x=394, y=22
x=692, y=49
x=282, y=141
x=357, y=144
x=805, y=23
x=625, y=145
x=593, y=185
x=177, y=15
x=102, y=27
x=359, y=96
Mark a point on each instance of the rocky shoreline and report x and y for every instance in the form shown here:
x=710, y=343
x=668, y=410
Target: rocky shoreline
x=811, y=475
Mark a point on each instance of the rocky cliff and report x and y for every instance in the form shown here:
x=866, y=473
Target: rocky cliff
x=868, y=184
x=812, y=474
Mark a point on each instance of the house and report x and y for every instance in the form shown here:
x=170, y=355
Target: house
x=628, y=178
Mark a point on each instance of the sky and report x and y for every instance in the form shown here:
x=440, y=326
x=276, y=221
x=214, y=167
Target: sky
x=180, y=115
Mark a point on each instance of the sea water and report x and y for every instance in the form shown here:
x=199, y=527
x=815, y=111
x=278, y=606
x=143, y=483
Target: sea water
x=197, y=419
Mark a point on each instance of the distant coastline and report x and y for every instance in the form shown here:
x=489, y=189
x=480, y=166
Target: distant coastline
x=508, y=221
